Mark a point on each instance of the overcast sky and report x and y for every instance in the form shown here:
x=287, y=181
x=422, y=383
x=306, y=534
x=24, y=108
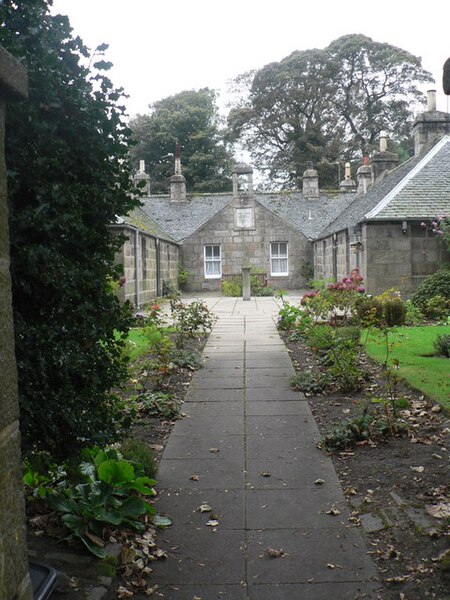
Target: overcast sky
x=162, y=47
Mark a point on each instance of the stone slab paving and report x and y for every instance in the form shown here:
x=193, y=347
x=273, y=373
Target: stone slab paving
x=247, y=448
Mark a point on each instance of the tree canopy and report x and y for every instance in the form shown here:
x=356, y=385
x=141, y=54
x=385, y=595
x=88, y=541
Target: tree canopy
x=190, y=118
x=67, y=149
x=326, y=105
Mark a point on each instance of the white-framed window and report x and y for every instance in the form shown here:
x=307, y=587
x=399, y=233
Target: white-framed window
x=213, y=262
x=279, y=258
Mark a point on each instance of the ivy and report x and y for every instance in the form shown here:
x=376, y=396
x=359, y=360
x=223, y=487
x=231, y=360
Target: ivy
x=68, y=176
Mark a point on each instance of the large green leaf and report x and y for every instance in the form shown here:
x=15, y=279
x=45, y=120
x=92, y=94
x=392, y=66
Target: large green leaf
x=115, y=471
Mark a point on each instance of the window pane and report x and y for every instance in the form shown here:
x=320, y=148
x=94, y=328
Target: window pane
x=282, y=249
x=216, y=252
x=208, y=251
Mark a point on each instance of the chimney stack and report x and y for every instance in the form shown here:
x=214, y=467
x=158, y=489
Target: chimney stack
x=383, y=161
x=177, y=181
x=430, y=126
x=141, y=175
x=310, y=182
x=347, y=185
x=364, y=176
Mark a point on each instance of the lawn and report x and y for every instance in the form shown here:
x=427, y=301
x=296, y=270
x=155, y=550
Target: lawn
x=137, y=343
x=413, y=347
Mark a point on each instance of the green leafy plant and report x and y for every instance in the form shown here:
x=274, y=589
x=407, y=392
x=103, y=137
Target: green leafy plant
x=191, y=320
x=414, y=315
x=437, y=284
x=442, y=345
x=288, y=316
x=159, y=404
x=183, y=275
x=309, y=382
x=136, y=451
x=231, y=288
x=108, y=493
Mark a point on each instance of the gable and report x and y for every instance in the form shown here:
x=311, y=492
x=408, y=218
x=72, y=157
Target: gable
x=424, y=193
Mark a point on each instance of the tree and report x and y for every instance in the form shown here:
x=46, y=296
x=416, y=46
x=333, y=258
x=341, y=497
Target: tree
x=325, y=105
x=67, y=149
x=191, y=119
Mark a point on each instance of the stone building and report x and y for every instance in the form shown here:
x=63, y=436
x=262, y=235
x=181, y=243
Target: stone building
x=380, y=231
x=373, y=223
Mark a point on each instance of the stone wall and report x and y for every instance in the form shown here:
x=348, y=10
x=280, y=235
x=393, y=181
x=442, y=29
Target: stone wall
x=147, y=247
x=400, y=260
x=389, y=258
x=245, y=246
x=14, y=577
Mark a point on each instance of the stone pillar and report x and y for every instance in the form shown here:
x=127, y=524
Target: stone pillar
x=14, y=577
x=246, y=283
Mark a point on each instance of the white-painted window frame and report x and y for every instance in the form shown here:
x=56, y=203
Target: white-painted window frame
x=212, y=259
x=277, y=258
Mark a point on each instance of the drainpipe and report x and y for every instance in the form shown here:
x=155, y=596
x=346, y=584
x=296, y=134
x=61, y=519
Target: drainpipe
x=158, y=268
x=137, y=265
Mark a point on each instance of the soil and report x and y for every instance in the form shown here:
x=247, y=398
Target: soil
x=391, y=484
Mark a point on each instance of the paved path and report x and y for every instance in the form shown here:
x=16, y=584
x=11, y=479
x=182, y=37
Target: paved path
x=247, y=448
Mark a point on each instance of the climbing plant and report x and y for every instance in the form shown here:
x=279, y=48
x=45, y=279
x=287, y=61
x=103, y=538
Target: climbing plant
x=68, y=177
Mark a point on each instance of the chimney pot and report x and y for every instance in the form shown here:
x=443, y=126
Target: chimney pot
x=431, y=99
x=383, y=141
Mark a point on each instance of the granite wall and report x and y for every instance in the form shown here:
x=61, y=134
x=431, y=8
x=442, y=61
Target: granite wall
x=14, y=577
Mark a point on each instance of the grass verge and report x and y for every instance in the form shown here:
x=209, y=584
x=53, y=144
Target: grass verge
x=413, y=348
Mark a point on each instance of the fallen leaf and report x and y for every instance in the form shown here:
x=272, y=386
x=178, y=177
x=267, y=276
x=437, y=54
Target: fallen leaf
x=436, y=408
x=204, y=508
x=333, y=511
x=161, y=554
x=214, y=450
x=350, y=491
x=319, y=482
x=151, y=591
x=265, y=474
x=273, y=553
x=418, y=469
x=122, y=592
x=212, y=523
x=161, y=522
x=439, y=511
x=194, y=477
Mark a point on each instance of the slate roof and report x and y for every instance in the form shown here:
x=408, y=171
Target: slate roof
x=182, y=219
x=306, y=216
x=417, y=189
x=141, y=220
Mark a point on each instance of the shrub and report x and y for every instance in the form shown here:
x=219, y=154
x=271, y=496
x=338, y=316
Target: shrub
x=394, y=312
x=414, y=315
x=231, y=288
x=68, y=178
x=288, y=316
x=135, y=451
x=437, y=308
x=320, y=338
x=159, y=404
x=442, y=345
x=437, y=284
x=369, y=311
